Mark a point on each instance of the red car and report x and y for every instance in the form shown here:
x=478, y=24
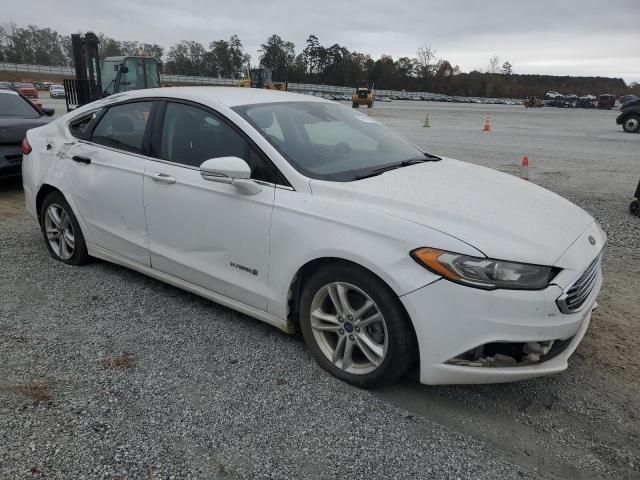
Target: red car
x=26, y=89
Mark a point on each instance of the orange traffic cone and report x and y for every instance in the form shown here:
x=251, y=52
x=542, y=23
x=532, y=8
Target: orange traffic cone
x=487, y=124
x=524, y=169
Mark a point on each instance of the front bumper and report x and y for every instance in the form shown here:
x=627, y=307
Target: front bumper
x=620, y=119
x=10, y=161
x=450, y=320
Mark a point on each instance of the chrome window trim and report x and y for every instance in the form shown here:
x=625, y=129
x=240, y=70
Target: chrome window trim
x=175, y=164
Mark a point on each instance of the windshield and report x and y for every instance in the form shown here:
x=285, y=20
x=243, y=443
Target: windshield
x=328, y=141
x=108, y=72
x=13, y=105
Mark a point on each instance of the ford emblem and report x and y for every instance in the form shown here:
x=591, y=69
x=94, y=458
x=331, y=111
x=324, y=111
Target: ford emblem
x=592, y=240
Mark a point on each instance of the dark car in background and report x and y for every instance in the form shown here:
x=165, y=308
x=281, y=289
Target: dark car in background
x=606, y=101
x=629, y=116
x=17, y=115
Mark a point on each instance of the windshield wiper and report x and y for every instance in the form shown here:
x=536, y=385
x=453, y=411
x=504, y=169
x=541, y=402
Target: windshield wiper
x=404, y=163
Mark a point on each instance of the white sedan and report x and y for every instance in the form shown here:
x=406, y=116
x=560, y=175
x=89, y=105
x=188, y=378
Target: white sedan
x=308, y=215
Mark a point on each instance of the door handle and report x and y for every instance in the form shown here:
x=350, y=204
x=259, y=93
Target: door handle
x=163, y=178
x=81, y=159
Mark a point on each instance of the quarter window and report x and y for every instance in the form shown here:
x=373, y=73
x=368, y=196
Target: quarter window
x=123, y=126
x=191, y=135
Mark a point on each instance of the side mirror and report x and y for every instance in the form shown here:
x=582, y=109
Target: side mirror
x=48, y=111
x=232, y=170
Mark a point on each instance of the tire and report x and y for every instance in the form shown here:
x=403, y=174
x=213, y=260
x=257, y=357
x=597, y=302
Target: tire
x=634, y=208
x=61, y=231
x=631, y=123
x=370, y=105
x=355, y=105
x=371, y=346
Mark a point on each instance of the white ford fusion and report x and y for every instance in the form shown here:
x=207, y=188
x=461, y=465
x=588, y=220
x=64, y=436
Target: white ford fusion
x=306, y=214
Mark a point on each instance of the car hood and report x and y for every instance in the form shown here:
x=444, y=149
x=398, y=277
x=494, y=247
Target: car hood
x=13, y=130
x=503, y=216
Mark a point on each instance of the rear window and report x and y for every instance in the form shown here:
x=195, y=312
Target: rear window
x=13, y=105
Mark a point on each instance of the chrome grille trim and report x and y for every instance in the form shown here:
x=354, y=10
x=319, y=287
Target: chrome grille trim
x=574, y=297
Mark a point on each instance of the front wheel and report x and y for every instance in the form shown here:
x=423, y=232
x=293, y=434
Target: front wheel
x=631, y=124
x=634, y=208
x=355, y=105
x=355, y=326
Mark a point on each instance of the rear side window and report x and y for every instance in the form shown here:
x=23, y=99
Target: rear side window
x=123, y=126
x=80, y=128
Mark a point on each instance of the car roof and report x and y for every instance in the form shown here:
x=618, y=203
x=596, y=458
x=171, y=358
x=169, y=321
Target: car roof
x=229, y=96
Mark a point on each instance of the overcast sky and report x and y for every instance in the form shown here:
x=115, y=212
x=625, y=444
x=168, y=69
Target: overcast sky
x=561, y=37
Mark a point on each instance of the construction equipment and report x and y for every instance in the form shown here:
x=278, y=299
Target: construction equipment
x=533, y=102
x=634, y=208
x=262, y=78
x=95, y=79
x=363, y=96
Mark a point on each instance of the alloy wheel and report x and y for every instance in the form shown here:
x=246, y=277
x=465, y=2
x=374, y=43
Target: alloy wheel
x=59, y=231
x=632, y=124
x=349, y=328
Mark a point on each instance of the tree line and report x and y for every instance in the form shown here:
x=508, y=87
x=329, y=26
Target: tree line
x=315, y=63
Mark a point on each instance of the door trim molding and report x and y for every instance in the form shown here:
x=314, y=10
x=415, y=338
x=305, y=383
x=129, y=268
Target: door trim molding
x=103, y=254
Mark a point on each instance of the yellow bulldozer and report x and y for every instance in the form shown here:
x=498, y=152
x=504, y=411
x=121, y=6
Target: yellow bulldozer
x=262, y=78
x=363, y=96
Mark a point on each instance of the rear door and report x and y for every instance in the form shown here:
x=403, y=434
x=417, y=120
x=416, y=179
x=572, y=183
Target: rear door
x=105, y=173
x=208, y=233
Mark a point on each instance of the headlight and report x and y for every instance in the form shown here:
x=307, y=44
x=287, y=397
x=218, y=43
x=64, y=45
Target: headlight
x=484, y=272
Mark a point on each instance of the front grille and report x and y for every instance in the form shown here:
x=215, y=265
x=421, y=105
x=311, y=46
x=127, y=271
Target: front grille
x=573, y=299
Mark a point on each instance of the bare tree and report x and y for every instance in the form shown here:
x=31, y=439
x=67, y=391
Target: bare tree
x=507, y=68
x=426, y=59
x=494, y=64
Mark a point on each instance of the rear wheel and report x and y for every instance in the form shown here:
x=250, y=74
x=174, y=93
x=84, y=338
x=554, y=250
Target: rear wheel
x=355, y=105
x=61, y=231
x=631, y=124
x=356, y=327
x=634, y=208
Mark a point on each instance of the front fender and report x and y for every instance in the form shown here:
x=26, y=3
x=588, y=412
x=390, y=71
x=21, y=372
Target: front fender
x=305, y=227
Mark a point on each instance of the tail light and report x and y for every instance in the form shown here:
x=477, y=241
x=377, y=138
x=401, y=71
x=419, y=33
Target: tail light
x=26, y=148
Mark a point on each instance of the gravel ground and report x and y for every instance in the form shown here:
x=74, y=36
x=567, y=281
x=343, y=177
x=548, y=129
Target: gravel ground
x=105, y=373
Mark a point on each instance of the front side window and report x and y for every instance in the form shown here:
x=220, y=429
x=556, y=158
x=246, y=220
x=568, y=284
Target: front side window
x=123, y=126
x=191, y=135
x=328, y=141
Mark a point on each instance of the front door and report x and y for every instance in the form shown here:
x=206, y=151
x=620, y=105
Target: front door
x=105, y=173
x=209, y=234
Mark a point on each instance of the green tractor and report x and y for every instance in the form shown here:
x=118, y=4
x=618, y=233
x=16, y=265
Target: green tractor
x=95, y=80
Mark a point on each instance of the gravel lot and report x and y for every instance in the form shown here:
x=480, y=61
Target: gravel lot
x=105, y=373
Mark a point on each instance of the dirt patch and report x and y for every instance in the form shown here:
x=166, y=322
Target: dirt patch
x=612, y=337
x=38, y=392
x=125, y=360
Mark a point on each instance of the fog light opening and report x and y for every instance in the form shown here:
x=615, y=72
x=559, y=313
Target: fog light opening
x=510, y=354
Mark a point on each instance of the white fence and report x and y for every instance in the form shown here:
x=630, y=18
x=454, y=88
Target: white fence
x=184, y=79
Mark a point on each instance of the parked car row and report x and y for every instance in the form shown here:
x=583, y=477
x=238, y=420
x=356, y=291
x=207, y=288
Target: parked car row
x=30, y=90
x=605, y=101
x=426, y=97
